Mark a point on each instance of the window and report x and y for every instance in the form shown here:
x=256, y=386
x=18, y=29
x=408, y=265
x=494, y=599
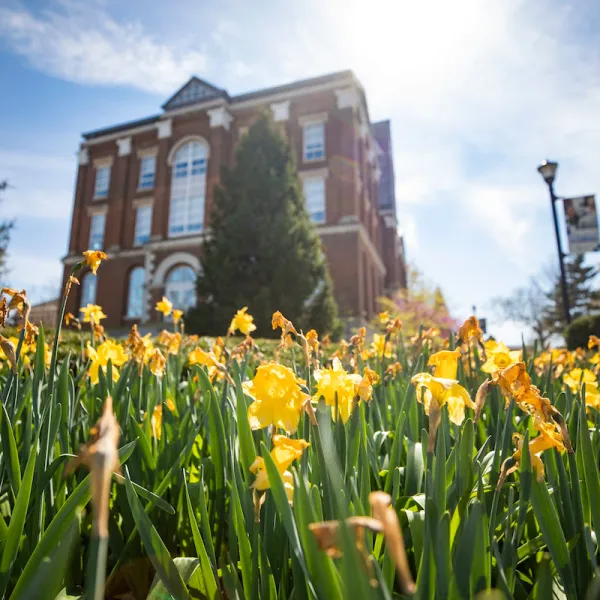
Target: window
x=314, y=192
x=180, y=287
x=102, y=182
x=147, y=170
x=135, y=296
x=88, y=289
x=188, y=189
x=143, y=224
x=97, y=231
x=314, y=141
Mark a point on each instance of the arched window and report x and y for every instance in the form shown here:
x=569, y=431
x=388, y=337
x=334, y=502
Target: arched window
x=188, y=189
x=135, y=296
x=180, y=287
x=88, y=289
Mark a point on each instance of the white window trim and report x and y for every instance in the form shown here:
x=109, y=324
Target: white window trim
x=104, y=161
x=100, y=209
x=177, y=258
x=171, y=158
x=314, y=118
x=314, y=174
x=151, y=151
x=184, y=140
x=145, y=201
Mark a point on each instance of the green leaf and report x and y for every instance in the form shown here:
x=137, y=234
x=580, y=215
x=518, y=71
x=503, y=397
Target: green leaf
x=285, y=512
x=48, y=578
x=209, y=586
x=9, y=448
x=17, y=521
x=415, y=468
x=547, y=517
x=188, y=569
x=58, y=528
x=155, y=548
x=589, y=458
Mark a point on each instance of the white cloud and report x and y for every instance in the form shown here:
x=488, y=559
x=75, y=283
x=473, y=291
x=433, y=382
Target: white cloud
x=80, y=42
x=42, y=186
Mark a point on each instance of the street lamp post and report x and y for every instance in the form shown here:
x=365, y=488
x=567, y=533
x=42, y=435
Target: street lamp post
x=548, y=171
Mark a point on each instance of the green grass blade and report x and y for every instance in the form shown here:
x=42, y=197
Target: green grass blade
x=17, y=521
x=155, y=548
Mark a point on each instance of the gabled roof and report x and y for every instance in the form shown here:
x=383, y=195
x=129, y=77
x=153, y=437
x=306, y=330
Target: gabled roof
x=195, y=90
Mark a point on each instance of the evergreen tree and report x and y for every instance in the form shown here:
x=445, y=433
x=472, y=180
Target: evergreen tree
x=5, y=229
x=263, y=252
x=584, y=297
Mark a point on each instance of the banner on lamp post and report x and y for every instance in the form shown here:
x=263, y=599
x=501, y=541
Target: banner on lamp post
x=582, y=224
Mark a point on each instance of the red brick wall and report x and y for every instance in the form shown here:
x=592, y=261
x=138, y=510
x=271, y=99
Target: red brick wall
x=351, y=199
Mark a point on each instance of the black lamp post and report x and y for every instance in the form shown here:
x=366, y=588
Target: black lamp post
x=548, y=171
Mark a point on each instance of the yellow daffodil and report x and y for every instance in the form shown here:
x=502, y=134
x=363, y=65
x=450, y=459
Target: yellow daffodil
x=381, y=343
x=442, y=391
x=200, y=357
x=170, y=405
x=336, y=384
x=156, y=422
x=312, y=338
x=576, y=377
x=278, y=399
x=593, y=342
x=93, y=258
x=365, y=386
x=242, y=322
x=170, y=340
x=107, y=351
x=592, y=395
x=157, y=363
x=499, y=356
x=92, y=313
x=177, y=314
x=164, y=306
x=445, y=363
x=285, y=451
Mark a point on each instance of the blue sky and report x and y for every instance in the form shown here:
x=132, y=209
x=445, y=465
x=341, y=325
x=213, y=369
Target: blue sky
x=478, y=93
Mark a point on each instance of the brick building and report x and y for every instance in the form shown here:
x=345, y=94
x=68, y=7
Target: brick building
x=144, y=192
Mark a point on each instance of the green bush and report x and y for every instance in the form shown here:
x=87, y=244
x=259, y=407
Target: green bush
x=578, y=332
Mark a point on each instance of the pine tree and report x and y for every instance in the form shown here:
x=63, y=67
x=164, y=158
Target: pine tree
x=584, y=296
x=262, y=252
x=5, y=229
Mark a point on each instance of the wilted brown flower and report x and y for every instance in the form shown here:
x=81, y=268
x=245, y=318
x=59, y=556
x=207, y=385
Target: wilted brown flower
x=101, y=456
x=10, y=351
x=3, y=312
x=31, y=331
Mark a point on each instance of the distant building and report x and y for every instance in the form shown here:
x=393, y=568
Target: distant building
x=44, y=313
x=392, y=245
x=145, y=189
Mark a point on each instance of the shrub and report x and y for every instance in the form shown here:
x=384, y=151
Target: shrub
x=578, y=332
